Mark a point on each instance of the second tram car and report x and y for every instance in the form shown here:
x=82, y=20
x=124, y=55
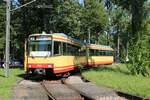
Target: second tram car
x=99, y=55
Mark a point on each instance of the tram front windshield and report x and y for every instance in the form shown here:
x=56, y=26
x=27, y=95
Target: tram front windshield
x=40, y=48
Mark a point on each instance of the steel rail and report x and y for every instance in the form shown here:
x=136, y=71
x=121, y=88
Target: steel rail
x=48, y=93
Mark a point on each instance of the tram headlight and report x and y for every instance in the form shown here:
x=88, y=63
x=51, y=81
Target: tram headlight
x=29, y=66
x=49, y=66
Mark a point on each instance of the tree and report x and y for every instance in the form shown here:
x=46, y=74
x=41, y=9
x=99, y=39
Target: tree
x=139, y=52
x=120, y=23
x=136, y=8
x=138, y=37
x=69, y=18
x=2, y=29
x=95, y=18
x=30, y=19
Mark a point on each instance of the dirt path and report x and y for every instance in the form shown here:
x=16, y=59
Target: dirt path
x=28, y=90
x=1, y=98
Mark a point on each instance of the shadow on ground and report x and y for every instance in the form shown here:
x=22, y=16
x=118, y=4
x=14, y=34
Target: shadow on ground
x=131, y=97
x=38, y=77
x=32, y=77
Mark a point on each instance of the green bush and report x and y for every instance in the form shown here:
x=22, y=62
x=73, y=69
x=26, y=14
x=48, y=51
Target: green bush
x=139, y=57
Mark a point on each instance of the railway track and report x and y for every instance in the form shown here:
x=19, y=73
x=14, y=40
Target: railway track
x=73, y=88
x=58, y=91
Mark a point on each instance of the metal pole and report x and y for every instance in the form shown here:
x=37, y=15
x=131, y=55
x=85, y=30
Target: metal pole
x=127, y=56
x=7, y=44
x=89, y=35
x=87, y=49
x=118, y=49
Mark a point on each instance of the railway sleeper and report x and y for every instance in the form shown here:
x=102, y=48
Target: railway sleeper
x=59, y=91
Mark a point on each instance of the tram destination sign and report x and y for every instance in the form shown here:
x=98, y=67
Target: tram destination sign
x=35, y=38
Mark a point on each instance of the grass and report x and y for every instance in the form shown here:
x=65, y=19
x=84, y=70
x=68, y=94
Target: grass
x=6, y=84
x=118, y=77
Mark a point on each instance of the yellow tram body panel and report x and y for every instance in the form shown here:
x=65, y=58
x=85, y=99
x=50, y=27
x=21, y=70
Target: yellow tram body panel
x=58, y=63
x=100, y=60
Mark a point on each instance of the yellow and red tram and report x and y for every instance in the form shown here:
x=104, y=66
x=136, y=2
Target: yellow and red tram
x=59, y=53
x=100, y=55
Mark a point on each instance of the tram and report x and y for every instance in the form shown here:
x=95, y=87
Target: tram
x=100, y=55
x=58, y=53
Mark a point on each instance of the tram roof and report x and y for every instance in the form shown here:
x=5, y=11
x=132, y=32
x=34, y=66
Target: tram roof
x=99, y=47
x=59, y=36
x=66, y=38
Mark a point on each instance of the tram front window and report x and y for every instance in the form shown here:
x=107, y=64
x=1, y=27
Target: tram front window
x=41, y=48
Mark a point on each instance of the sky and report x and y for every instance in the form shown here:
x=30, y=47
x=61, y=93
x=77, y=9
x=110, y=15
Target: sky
x=81, y=1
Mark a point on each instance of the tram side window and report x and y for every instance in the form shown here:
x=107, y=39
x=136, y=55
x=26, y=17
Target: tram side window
x=69, y=49
x=64, y=48
x=75, y=50
x=97, y=53
x=72, y=50
x=101, y=53
x=107, y=53
x=57, y=48
x=110, y=53
x=104, y=53
x=91, y=52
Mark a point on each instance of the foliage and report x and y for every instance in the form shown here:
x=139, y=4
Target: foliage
x=120, y=22
x=69, y=18
x=95, y=19
x=103, y=38
x=138, y=37
x=139, y=59
x=139, y=51
x=136, y=8
x=31, y=19
x=2, y=29
x=139, y=56
x=75, y=19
